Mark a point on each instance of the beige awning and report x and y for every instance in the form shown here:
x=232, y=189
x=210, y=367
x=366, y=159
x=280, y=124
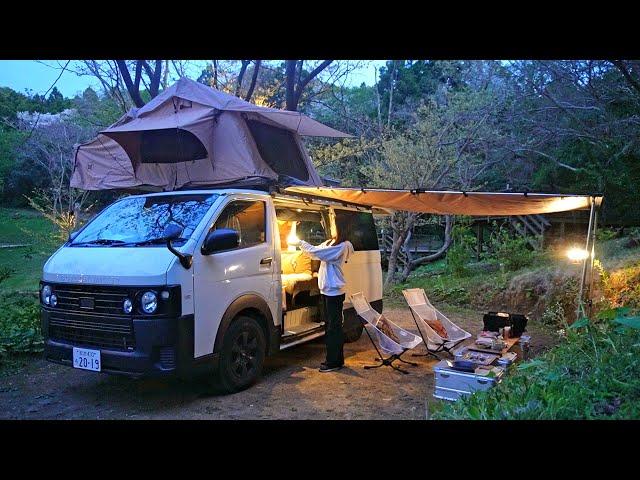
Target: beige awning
x=453, y=203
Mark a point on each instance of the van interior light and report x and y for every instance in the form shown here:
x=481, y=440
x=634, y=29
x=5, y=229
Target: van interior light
x=577, y=255
x=292, y=238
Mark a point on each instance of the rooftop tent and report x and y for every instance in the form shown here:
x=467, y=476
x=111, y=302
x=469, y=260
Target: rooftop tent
x=193, y=135
x=453, y=203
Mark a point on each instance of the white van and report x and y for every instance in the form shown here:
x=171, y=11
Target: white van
x=188, y=282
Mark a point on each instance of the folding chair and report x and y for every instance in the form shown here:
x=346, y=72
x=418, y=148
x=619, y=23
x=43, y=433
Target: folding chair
x=376, y=322
x=422, y=309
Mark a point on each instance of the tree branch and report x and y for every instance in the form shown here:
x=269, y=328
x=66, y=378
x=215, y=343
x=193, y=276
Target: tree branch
x=314, y=73
x=625, y=73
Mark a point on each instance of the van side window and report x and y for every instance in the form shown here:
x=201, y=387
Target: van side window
x=247, y=218
x=359, y=227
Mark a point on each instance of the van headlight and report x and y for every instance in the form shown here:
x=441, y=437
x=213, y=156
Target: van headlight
x=45, y=295
x=149, y=302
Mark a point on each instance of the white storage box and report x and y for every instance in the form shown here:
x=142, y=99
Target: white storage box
x=451, y=384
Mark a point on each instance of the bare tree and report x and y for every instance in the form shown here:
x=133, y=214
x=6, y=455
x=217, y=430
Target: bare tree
x=51, y=148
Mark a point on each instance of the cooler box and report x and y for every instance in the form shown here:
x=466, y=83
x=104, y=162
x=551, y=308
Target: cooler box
x=452, y=384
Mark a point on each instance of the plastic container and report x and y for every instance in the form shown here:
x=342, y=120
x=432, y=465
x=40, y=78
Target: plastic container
x=452, y=384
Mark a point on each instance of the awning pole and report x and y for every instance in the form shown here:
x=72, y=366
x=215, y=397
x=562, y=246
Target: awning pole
x=593, y=258
x=581, y=310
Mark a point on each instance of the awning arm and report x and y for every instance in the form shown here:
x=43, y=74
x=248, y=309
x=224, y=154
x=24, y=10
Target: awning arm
x=585, y=303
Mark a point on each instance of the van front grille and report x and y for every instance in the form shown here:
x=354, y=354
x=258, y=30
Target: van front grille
x=96, y=299
x=80, y=330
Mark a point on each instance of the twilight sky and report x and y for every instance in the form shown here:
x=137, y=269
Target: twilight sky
x=38, y=77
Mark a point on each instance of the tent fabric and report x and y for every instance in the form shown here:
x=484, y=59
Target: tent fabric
x=116, y=159
x=195, y=92
x=452, y=203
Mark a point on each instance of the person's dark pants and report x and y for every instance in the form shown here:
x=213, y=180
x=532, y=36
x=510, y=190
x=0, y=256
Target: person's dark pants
x=334, y=335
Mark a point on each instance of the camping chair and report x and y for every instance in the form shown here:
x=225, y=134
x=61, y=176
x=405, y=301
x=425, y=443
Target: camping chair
x=422, y=309
x=376, y=323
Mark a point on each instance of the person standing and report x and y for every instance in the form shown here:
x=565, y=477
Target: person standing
x=332, y=285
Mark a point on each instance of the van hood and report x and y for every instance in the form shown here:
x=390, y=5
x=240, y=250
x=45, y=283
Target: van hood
x=127, y=266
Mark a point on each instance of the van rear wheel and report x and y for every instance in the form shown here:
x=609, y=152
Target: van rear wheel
x=242, y=355
x=353, y=334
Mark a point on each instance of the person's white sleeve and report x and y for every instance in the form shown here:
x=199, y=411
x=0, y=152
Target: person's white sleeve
x=326, y=254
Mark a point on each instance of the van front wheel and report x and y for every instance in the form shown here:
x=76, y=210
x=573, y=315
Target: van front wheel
x=242, y=355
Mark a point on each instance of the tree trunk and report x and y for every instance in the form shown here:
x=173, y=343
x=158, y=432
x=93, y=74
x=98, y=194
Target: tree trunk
x=254, y=79
x=290, y=80
x=375, y=85
x=243, y=69
x=398, y=240
x=402, y=223
x=413, y=263
x=391, y=87
x=133, y=90
x=165, y=76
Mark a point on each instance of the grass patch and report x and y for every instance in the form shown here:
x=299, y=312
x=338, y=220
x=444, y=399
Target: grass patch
x=616, y=253
x=20, y=272
x=477, y=287
x=21, y=267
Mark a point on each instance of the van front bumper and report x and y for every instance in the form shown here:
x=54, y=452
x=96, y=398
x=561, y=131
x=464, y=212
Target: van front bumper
x=163, y=347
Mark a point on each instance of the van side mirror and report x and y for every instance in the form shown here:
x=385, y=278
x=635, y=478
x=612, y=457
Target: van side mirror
x=220, y=240
x=173, y=232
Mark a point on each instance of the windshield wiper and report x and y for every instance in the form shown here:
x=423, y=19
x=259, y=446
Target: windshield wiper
x=100, y=241
x=151, y=241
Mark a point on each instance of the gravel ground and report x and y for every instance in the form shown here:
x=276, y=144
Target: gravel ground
x=290, y=388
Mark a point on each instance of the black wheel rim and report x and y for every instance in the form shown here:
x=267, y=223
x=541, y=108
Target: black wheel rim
x=243, y=354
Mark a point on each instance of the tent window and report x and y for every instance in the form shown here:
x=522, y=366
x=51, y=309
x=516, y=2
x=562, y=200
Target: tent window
x=279, y=149
x=170, y=145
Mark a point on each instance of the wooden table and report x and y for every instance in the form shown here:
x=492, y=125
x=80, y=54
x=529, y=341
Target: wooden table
x=510, y=342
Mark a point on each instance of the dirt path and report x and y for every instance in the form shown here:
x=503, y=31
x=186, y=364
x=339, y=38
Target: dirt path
x=290, y=388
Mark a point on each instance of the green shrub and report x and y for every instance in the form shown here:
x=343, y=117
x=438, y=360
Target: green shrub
x=452, y=295
x=19, y=324
x=512, y=252
x=554, y=315
x=604, y=234
x=460, y=252
x=6, y=273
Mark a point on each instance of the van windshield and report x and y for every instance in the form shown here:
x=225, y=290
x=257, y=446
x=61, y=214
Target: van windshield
x=141, y=221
